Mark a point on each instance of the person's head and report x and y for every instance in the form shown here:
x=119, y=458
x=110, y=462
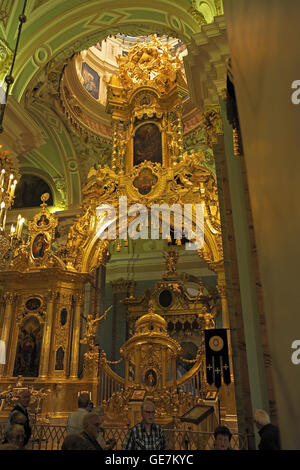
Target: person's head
x=261, y=418
x=90, y=406
x=75, y=442
x=99, y=410
x=24, y=397
x=91, y=425
x=15, y=435
x=222, y=438
x=83, y=400
x=148, y=412
x=17, y=417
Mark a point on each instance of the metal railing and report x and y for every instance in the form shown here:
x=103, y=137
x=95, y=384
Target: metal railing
x=46, y=437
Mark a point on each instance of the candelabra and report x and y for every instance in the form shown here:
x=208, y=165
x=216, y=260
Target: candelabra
x=9, y=178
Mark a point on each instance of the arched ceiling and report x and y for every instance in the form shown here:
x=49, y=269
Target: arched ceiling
x=53, y=33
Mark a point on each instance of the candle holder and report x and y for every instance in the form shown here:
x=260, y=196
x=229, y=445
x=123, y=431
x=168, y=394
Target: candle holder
x=9, y=178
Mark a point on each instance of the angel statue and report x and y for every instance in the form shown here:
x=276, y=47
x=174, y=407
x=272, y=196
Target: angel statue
x=91, y=328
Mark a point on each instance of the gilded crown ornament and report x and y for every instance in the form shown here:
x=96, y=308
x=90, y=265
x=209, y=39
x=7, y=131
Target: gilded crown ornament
x=149, y=64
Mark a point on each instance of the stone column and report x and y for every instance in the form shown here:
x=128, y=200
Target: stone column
x=9, y=299
x=225, y=316
x=249, y=370
x=76, y=337
x=48, y=328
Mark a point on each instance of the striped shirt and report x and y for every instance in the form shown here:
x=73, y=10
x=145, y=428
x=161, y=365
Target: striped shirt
x=138, y=439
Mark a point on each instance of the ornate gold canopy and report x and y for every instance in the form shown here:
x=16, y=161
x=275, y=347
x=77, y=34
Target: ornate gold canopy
x=148, y=163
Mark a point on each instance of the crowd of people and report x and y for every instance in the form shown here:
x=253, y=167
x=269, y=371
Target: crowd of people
x=85, y=429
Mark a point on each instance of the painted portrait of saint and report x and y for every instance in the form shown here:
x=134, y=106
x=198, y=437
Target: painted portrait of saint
x=91, y=80
x=150, y=378
x=39, y=246
x=28, y=349
x=147, y=144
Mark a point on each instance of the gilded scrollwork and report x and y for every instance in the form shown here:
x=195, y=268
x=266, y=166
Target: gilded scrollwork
x=40, y=315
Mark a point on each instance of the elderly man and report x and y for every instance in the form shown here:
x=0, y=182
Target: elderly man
x=91, y=427
x=145, y=435
x=75, y=420
x=270, y=437
x=21, y=406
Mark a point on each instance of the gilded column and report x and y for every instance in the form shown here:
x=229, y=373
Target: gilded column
x=48, y=327
x=76, y=337
x=9, y=299
x=126, y=372
x=137, y=378
x=163, y=368
x=174, y=370
x=222, y=291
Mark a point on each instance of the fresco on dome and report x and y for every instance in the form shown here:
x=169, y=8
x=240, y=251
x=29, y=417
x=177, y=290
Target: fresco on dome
x=91, y=80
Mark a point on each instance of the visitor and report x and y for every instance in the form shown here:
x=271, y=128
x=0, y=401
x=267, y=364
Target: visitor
x=75, y=420
x=222, y=438
x=145, y=435
x=270, y=437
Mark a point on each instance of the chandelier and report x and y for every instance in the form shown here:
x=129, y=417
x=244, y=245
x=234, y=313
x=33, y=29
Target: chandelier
x=9, y=178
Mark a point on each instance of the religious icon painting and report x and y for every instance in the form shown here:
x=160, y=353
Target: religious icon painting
x=91, y=80
x=39, y=246
x=145, y=181
x=147, y=144
x=150, y=378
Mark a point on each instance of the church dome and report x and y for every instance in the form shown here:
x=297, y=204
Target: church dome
x=151, y=322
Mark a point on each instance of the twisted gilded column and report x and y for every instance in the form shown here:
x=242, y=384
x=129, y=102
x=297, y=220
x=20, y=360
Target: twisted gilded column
x=76, y=337
x=9, y=299
x=48, y=327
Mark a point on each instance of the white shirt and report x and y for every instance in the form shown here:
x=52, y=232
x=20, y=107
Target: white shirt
x=75, y=421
